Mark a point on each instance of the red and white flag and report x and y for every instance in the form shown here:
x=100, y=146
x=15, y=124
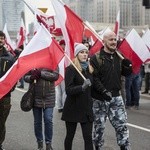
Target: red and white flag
x=146, y=39
x=71, y=25
x=117, y=25
x=133, y=48
x=9, y=44
x=21, y=35
x=41, y=52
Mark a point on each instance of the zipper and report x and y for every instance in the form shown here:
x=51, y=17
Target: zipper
x=4, y=67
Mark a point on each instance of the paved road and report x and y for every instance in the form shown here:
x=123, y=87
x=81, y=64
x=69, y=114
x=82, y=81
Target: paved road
x=20, y=133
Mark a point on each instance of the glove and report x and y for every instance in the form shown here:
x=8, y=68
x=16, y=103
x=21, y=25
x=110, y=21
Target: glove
x=107, y=95
x=86, y=84
x=126, y=67
x=35, y=74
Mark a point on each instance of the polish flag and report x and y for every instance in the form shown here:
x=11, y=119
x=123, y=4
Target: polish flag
x=71, y=25
x=133, y=48
x=41, y=52
x=21, y=35
x=117, y=25
x=96, y=47
x=146, y=39
x=9, y=44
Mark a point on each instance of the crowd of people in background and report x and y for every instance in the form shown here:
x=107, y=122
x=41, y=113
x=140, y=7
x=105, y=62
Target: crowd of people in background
x=105, y=92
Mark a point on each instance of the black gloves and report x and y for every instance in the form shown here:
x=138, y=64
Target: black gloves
x=126, y=67
x=86, y=83
x=35, y=74
x=107, y=95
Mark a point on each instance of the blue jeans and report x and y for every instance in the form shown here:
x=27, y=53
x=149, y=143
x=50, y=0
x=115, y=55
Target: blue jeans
x=48, y=124
x=132, y=82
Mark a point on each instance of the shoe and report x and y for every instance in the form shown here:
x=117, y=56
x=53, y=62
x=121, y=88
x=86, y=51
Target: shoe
x=136, y=107
x=49, y=147
x=40, y=146
x=145, y=92
x=125, y=147
x=1, y=148
x=60, y=110
x=20, y=86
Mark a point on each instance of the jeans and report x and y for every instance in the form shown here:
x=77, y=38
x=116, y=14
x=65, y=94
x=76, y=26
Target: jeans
x=48, y=124
x=132, y=82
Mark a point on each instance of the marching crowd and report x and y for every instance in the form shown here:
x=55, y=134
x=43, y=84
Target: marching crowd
x=93, y=90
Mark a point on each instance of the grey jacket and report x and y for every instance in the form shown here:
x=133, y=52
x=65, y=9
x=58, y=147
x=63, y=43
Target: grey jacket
x=44, y=88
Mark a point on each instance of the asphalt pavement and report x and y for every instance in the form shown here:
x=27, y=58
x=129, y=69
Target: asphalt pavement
x=20, y=131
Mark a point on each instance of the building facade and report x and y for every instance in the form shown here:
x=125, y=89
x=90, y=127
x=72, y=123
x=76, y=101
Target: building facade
x=12, y=11
x=132, y=13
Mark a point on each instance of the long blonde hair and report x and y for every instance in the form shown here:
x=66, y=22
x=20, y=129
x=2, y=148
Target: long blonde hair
x=78, y=65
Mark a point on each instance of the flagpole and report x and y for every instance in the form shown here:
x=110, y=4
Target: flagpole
x=95, y=33
x=74, y=66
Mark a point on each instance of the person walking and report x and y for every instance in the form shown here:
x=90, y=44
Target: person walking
x=60, y=88
x=44, y=103
x=78, y=104
x=6, y=61
x=147, y=77
x=106, y=94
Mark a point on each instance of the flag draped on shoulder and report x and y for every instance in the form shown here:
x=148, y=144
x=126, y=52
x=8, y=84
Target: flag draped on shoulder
x=133, y=48
x=41, y=52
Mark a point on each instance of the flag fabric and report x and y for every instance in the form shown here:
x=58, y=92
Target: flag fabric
x=41, y=52
x=21, y=35
x=133, y=48
x=71, y=25
x=117, y=25
x=96, y=47
x=9, y=45
x=146, y=39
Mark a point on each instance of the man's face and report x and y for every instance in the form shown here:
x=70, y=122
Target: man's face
x=110, y=42
x=2, y=41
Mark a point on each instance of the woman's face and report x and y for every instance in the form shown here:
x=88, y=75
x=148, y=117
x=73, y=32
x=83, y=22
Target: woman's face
x=83, y=55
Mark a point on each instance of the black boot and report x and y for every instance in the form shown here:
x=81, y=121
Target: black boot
x=1, y=148
x=48, y=146
x=125, y=147
x=40, y=146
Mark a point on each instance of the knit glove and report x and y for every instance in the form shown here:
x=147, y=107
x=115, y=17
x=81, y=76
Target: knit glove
x=35, y=74
x=107, y=95
x=86, y=84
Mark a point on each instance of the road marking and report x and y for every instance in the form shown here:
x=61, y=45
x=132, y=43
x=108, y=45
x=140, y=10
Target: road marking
x=21, y=90
x=138, y=127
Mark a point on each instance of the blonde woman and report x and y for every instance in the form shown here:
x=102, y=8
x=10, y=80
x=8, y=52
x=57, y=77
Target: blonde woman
x=78, y=104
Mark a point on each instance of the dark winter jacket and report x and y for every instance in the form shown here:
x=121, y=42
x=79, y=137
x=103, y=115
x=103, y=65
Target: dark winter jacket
x=44, y=88
x=107, y=74
x=6, y=61
x=78, y=104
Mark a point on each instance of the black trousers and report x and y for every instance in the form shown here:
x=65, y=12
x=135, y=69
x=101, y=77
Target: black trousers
x=86, y=131
x=147, y=82
x=4, y=112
